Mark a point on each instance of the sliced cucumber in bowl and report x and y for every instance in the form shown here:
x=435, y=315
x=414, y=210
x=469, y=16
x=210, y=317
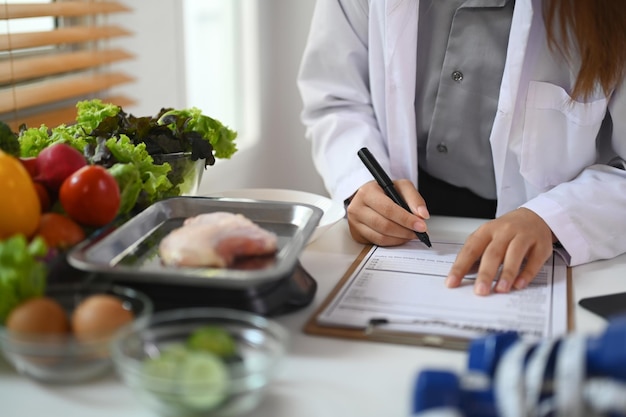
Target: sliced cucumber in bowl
x=189, y=378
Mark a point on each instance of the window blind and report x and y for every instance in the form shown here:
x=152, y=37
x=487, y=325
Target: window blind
x=46, y=68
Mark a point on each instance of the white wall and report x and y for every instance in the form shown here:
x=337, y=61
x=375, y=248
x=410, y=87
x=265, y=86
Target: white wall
x=281, y=157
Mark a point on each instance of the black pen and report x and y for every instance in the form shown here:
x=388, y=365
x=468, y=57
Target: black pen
x=386, y=184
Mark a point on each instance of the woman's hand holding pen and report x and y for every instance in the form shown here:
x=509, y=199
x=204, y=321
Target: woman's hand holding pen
x=374, y=218
x=520, y=241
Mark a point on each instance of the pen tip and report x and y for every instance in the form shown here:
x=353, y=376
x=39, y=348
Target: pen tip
x=425, y=239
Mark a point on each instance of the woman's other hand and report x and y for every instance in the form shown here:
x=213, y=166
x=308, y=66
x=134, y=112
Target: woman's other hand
x=374, y=218
x=519, y=241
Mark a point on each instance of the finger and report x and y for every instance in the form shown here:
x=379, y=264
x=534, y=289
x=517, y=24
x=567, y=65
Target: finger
x=368, y=226
x=389, y=220
x=362, y=233
x=511, y=265
x=470, y=253
x=413, y=198
x=411, y=220
x=380, y=203
x=490, y=263
x=396, y=214
x=534, y=263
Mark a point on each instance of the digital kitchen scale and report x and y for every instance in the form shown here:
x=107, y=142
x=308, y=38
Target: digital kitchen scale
x=274, y=298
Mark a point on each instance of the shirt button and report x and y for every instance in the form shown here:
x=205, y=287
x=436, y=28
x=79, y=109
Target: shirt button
x=442, y=148
x=457, y=76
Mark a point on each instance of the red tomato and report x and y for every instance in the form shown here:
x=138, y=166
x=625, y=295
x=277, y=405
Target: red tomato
x=90, y=196
x=59, y=231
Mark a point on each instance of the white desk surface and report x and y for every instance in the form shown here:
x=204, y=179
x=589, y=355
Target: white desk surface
x=320, y=377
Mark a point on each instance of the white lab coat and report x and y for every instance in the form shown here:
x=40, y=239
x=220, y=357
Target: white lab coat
x=357, y=82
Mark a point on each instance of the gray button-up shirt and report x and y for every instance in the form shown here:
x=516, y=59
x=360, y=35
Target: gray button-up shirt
x=460, y=59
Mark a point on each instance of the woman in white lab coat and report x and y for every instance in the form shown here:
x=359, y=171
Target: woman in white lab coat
x=557, y=141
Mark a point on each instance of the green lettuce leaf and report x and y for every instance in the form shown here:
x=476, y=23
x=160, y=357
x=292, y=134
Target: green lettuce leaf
x=129, y=180
x=192, y=120
x=155, y=184
x=22, y=273
x=90, y=113
x=34, y=140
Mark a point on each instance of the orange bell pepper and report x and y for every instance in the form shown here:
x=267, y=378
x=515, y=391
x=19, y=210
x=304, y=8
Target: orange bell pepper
x=20, y=209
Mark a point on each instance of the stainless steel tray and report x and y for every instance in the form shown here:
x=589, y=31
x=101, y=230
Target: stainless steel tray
x=130, y=251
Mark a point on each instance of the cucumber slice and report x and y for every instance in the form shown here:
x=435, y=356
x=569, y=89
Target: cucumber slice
x=203, y=379
x=189, y=378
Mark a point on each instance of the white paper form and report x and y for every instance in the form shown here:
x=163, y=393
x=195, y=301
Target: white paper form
x=405, y=286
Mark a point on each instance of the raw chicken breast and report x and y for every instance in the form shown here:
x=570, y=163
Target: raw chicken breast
x=215, y=240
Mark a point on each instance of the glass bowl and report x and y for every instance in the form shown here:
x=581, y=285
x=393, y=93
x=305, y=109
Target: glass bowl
x=185, y=173
x=177, y=388
x=65, y=358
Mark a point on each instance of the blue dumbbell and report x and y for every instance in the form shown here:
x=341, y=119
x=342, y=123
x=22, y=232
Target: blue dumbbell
x=606, y=354
x=445, y=390
x=437, y=389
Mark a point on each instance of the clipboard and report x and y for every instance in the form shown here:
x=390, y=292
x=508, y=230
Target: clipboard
x=376, y=333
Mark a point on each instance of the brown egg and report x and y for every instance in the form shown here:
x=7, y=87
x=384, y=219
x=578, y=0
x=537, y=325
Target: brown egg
x=99, y=316
x=41, y=315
